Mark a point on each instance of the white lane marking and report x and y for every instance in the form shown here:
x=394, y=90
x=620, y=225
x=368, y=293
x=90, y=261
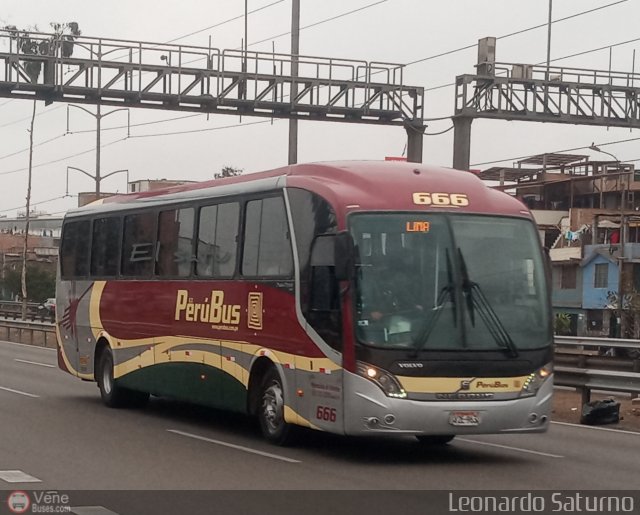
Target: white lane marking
x=92, y=510
x=34, y=363
x=17, y=476
x=583, y=426
x=529, y=451
x=18, y=392
x=233, y=446
x=30, y=346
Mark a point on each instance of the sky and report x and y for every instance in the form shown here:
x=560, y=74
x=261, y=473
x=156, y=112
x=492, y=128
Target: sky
x=395, y=31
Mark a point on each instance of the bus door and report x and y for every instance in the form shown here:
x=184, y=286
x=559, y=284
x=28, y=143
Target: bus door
x=324, y=315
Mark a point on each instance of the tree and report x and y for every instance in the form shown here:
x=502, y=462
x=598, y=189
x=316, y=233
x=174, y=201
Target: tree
x=228, y=171
x=41, y=283
x=64, y=34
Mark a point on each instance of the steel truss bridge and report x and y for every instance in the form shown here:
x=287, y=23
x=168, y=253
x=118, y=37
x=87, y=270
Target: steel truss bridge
x=209, y=80
x=540, y=94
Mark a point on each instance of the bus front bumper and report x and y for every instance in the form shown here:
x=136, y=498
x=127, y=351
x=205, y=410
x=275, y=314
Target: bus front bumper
x=368, y=411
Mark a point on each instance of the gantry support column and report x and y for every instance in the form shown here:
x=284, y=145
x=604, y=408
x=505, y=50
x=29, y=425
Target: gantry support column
x=461, y=142
x=415, y=135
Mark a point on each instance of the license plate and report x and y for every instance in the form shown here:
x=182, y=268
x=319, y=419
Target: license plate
x=464, y=418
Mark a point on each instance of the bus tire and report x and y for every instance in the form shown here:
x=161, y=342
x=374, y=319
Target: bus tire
x=113, y=395
x=435, y=439
x=271, y=410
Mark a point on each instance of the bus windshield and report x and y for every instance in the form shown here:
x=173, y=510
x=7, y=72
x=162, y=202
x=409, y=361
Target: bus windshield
x=449, y=282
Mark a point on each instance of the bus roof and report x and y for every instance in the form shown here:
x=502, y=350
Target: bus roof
x=348, y=185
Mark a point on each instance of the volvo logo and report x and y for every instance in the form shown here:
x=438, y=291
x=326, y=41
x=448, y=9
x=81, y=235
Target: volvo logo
x=464, y=396
x=411, y=364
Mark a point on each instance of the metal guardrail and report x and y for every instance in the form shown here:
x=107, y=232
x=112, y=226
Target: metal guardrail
x=12, y=309
x=608, y=364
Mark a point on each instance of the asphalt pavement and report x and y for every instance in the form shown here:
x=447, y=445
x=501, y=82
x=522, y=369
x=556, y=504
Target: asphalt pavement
x=56, y=431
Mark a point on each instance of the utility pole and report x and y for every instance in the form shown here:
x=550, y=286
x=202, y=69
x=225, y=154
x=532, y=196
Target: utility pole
x=25, y=246
x=295, y=53
x=549, y=38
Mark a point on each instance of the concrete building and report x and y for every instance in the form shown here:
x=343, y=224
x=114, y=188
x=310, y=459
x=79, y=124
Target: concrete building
x=588, y=215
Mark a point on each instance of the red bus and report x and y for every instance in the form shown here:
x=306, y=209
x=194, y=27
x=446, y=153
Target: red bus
x=361, y=298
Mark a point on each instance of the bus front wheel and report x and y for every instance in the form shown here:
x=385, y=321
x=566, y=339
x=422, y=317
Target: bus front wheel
x=112, y=394
x=271, y=410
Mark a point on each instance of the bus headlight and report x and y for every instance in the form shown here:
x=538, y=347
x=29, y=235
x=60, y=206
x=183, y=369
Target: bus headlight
x=385, y=380
x=533, y=383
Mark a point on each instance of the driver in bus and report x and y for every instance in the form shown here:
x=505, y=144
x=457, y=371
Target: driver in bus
x=389, y=289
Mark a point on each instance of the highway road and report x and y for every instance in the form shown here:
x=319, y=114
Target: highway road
x=55, y=430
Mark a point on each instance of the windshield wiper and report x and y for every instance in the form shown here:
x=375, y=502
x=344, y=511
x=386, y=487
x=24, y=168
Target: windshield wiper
x=448, y=290
x=475, y=298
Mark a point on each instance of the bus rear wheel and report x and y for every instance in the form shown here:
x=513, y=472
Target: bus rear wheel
x=435, y=439
x=112, y=394
x=271, y=410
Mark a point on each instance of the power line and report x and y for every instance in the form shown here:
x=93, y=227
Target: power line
x=33, y=204
x=200, y=130
x=63, y=158
x=522, y=31
x=224, y=22
x=553, y=60
x=29, y=117
x=34, y=146
x=139, y=124
x=557, y=151
x=337, y=16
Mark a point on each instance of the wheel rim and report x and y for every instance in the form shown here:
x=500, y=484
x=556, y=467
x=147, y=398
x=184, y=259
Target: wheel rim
x=107, y=376
x=273, y=407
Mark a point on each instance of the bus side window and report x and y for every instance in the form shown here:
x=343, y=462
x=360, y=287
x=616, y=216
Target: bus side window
x=218, y=240
x=267, y=245
x=138, y=244
x=105, y=247
x=75, y=249
x=175, y=243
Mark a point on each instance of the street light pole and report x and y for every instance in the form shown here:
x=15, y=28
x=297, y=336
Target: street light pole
x=595, y=148
x=96, y=178
x=98, y=116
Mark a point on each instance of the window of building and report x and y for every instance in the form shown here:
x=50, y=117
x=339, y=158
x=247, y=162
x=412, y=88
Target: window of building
x=105, y=246
x=217, y=240
x=568, y=278
x=175, y=242
x=267, y=247
x=601, y=279
x=138, y=244
x=75, y=249
x=594, y=320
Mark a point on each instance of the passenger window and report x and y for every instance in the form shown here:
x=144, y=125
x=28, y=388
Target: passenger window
x=175, y=243
x=75, y=250
x=105, y=247
x=217, y=240
x=267, y=246
x=138, y=244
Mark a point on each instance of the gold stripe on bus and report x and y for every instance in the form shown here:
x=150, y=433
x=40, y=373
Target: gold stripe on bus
x=94, y=308
x=461, y=384
x=143, y=360
x=292, y=417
